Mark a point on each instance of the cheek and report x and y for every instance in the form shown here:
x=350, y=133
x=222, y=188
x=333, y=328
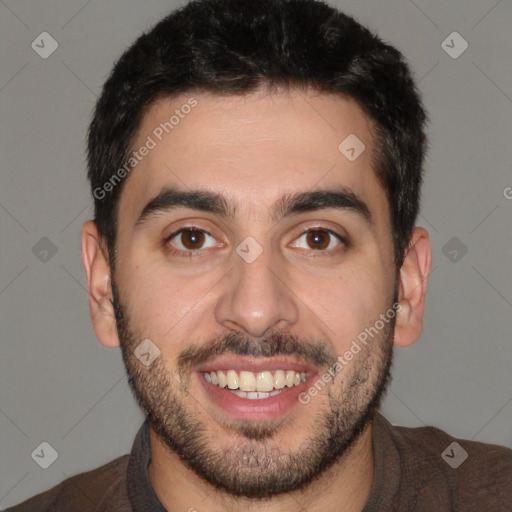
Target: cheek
x=162, y=305
x=345, y=304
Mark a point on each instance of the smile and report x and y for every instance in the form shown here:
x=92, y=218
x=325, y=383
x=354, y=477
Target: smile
x=255, y=386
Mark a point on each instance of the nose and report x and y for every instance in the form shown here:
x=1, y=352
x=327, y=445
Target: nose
x=255, y=300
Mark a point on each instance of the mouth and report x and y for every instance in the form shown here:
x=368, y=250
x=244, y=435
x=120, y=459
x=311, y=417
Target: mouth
x=254, y=388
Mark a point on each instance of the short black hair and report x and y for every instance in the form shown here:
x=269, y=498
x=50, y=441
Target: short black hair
x=238, y=46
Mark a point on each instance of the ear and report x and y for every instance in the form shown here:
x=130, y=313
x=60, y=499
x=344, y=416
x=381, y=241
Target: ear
x=97, y=270
x=413, y=280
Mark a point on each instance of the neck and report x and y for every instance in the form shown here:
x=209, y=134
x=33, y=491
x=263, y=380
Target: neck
x=344, y=487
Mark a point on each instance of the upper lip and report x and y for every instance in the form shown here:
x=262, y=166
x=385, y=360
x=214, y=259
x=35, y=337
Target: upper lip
x=256, y=364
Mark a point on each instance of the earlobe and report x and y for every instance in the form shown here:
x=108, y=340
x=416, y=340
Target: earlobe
x=413, y=282
x=98, y=277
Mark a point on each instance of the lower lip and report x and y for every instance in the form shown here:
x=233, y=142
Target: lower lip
x=260, y=409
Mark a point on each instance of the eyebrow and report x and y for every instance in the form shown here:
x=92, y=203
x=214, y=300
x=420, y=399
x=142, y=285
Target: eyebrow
x=206, y=201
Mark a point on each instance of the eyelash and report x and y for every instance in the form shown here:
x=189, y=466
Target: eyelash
x=197, y=253
x=332, y=233
x=179, y=252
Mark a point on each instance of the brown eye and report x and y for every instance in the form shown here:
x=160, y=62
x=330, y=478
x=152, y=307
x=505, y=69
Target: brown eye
x=322, y=240
x=319, y=239
x=192, y=239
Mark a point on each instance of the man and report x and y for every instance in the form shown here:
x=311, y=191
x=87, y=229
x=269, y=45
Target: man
x=256, y=170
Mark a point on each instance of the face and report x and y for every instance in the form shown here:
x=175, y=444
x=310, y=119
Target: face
x=252, y=252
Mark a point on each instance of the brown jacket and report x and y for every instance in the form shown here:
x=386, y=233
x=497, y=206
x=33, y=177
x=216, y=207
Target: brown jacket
x=416, y=470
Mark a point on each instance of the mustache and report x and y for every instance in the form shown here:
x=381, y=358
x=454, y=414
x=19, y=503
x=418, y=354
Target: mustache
x=276, y=343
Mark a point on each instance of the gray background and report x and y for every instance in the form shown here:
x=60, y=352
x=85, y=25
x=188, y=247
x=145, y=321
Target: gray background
x=59, y=385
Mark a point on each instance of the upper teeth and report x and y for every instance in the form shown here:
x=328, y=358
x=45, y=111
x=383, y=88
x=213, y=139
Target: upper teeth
x=261, y=381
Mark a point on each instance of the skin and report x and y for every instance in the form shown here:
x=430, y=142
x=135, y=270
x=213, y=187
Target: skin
x=254, y=149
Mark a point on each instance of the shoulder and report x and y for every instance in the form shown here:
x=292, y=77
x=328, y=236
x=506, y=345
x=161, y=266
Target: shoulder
x=461, y=454
x=472, y=472
x=84, y=492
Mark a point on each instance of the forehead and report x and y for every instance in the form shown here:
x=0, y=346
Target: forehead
x=253, y=148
